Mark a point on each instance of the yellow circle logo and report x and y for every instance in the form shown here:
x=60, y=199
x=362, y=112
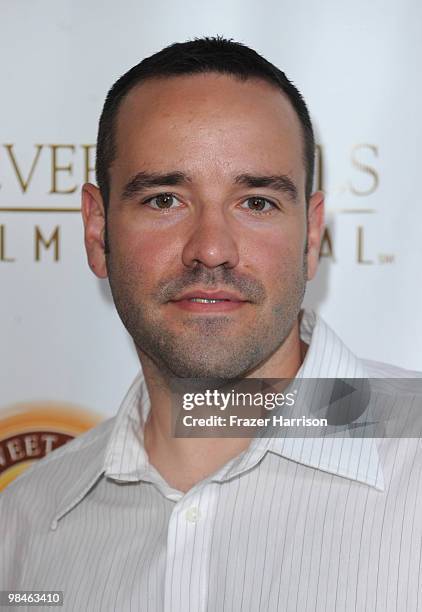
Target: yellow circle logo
x=28, y=432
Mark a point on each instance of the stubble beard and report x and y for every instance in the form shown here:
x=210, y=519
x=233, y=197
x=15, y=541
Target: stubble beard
x=204, y=347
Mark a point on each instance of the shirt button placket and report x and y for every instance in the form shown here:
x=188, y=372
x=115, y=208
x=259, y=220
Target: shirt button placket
x=186, y=533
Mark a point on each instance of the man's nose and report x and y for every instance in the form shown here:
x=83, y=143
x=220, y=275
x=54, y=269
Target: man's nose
x=211, y=241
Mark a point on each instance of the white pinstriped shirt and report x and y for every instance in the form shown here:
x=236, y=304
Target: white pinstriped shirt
x=288, y=525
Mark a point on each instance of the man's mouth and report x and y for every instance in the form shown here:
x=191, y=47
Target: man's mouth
x=206, y=301
x=202, y=301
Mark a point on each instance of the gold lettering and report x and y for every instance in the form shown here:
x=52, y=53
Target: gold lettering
x=326, y=249
x=87, y=162
x=49, y=440
x=360, y=257
x=31, y=446
x=365, y=168
x=55, y=169
x=15, y=449
x=24, y=183
x=3, y=245
x=39, y=239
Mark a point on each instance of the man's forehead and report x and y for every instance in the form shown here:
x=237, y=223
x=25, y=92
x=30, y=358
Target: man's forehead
x=209, y=124
x=165, y=97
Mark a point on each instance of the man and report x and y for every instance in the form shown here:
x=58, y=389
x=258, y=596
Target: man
x=207, y=228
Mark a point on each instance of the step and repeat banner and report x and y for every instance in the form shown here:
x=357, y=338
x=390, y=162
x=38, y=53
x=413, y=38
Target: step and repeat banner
x=66, y=360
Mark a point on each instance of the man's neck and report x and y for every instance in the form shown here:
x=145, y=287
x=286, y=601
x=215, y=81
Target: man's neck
x=185, y=461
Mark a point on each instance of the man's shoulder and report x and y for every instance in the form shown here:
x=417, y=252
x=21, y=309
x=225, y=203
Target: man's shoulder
x=46, y=481
x=390, y=383
x=85, y=444
x=379, y=369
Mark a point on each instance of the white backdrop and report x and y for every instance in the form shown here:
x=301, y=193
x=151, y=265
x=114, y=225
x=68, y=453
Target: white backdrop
x=358, y=65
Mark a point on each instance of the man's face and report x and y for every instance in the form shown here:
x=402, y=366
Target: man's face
x=207, y=195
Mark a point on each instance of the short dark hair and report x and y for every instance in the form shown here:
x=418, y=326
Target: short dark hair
x=201, y=55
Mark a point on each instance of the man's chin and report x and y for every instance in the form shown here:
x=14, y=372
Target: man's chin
x=191, y=364
x=200, y=370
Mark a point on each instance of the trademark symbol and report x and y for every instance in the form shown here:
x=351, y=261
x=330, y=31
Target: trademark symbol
x=386, y=258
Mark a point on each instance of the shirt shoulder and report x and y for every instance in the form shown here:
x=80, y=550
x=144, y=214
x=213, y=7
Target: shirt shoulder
x=36, y=493
x=378, y=369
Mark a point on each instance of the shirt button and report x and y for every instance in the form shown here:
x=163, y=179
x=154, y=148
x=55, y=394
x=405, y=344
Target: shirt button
x=192, y=514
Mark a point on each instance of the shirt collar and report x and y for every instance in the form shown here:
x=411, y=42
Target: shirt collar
x=125, y=457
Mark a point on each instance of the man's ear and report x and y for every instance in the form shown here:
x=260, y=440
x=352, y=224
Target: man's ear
x=94, y=224
x=315, y=231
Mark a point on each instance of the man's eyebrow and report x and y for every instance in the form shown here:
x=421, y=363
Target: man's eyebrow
x=280, y=182
x=145, y=180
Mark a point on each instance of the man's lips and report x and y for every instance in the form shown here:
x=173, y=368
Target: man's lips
x=210, y=295
x=230, y=301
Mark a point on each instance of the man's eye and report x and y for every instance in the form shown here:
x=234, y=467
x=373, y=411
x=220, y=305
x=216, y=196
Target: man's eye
x=162, y=201
x=257, y=204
